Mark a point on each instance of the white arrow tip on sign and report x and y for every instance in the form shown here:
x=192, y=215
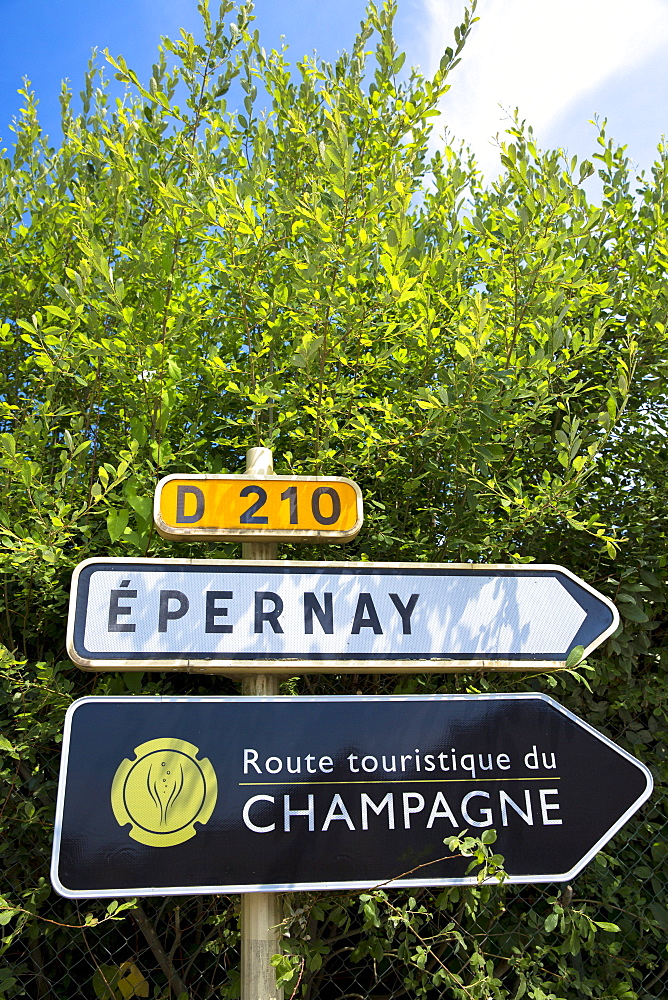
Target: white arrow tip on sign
x=525, y=615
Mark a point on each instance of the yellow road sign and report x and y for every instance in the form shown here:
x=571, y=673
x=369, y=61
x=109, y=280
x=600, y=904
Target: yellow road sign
x=278, y=508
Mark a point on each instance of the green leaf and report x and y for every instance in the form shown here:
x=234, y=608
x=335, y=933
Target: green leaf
x=142, y=506
x=133, y=680
x=105, y=983
x=8, y=444
x=57, y=311
x=117, y=522
x=633, y=613
x=660, y=913
x=606, y=926
x=521, y=987
x=574, y=657
x=6, y=914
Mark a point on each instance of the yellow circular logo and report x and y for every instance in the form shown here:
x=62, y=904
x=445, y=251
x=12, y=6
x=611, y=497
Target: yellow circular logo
x=164, y=792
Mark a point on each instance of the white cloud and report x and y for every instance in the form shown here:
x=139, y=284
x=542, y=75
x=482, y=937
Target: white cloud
x=541, y=56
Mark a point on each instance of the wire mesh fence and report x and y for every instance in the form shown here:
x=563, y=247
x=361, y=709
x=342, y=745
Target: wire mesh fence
x=603, y=936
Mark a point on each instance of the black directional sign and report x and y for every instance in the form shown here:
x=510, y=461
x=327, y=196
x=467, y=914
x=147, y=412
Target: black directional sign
x=184, y=795
x=297, y=616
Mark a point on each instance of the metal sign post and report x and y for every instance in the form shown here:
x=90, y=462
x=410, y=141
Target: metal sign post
x=261, y=912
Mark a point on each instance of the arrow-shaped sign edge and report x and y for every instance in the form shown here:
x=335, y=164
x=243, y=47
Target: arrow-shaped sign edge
x=285, y=665
x=358, y=884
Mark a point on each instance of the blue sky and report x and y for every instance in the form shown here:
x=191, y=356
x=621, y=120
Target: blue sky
x=561, y=61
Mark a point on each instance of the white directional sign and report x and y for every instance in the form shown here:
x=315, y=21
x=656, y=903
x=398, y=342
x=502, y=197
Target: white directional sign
x=287, y=617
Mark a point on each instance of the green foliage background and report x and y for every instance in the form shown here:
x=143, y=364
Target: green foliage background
x=320, y=274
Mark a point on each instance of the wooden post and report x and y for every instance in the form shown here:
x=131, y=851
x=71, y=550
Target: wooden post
x=260, y=911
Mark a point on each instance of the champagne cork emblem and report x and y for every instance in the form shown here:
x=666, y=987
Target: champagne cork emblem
x=164, y=792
